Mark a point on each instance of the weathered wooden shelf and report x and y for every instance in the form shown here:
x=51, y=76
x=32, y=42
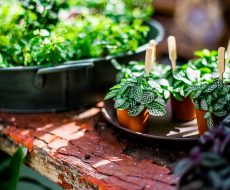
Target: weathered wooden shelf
x=79, y=150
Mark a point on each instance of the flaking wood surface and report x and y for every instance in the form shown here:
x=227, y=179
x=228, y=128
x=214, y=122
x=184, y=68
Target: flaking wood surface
x=79, y=150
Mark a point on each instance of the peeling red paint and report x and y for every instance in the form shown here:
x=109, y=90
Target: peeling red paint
x=21, y=136
x=64, y=183
x=100, y=184
x=87, y=149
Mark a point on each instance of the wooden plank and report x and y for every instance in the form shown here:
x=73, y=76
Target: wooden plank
x=85, y=153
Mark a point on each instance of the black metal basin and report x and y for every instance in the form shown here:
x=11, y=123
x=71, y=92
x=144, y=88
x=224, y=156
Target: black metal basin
x=63, y=87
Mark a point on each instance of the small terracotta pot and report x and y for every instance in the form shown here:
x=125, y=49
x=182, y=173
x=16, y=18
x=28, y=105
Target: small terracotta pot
x=137, y=123
x=201, y=121
x=182, y=110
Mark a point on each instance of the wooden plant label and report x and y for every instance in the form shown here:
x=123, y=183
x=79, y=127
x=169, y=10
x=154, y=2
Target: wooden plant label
x=221, y=61
x=153, y=44
x=148, y=60
x=172, y=51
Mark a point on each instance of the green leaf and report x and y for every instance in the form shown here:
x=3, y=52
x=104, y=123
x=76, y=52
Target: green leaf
x=203, y=105
x=192, y=74
x=160, y=101
x=153, y=84
x=207, y=115
x=210, y=122
x=15, y=166
x=218, y=106
x=197, y=105
x=136, y=110
x=147, y=97
x=156, y=109
x=111, y=94
x=119, y=102
x=166, y=94
x=211, y=87
x=137, y=93
x=221, y=113
x=177, y=96
x=123, y=106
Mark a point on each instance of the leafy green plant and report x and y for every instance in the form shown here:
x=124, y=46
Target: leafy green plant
x=118, y=10
x=213, y=97
x=137, y=93
x=85, y=36
x=137, y=68
x=181, y=79
x=207, y=64
x=45, y=12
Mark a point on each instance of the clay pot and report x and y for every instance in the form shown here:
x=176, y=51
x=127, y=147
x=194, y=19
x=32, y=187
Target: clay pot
x=137, y=123
x=202, y=122
x=182, y=110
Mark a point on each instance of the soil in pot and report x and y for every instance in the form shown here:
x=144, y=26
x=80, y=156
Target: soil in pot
x=137, y=123
x=202, y=122
x=182, y=110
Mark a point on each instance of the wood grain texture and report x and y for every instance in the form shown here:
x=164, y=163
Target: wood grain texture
x=172, y=51
x=86, y=153
x=221, y=61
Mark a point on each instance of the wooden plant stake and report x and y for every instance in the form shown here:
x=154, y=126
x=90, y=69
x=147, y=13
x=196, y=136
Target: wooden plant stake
x=153, y=44
x=148, y=60
x=221, y=61
x=172, y=51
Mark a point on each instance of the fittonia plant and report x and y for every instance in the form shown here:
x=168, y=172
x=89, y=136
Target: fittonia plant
x=181, y=79
x=213, y=97
x=138, y=93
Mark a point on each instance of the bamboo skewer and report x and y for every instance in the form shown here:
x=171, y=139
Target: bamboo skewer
x=172, y=51
x=221, y=62
x=148, y=60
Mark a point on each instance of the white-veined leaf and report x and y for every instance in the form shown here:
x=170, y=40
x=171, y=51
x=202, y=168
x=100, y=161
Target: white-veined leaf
x=221, y=113
x=119, y=102
x=137, y=93
x=160, y=101
x=136, y=110
x=156, y=109
x=203, y=104
x=147, y=97
x=218, y=106
x=210, y=122
x=211, y=87
x=111, y=94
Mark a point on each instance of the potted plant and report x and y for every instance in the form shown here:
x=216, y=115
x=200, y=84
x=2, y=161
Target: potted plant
x=137, y=97
x=212, y=102
x=180, y=80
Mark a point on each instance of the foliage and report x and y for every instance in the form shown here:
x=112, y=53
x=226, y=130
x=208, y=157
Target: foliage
x=45, y=12
x=27, y=40
x=97, y=36
x=10, y=169
x=181, y=79
x=137, y=93
x=118, y=10
x=135, y=69
x=213, y=97
x=207, y=64
x=209, y=164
